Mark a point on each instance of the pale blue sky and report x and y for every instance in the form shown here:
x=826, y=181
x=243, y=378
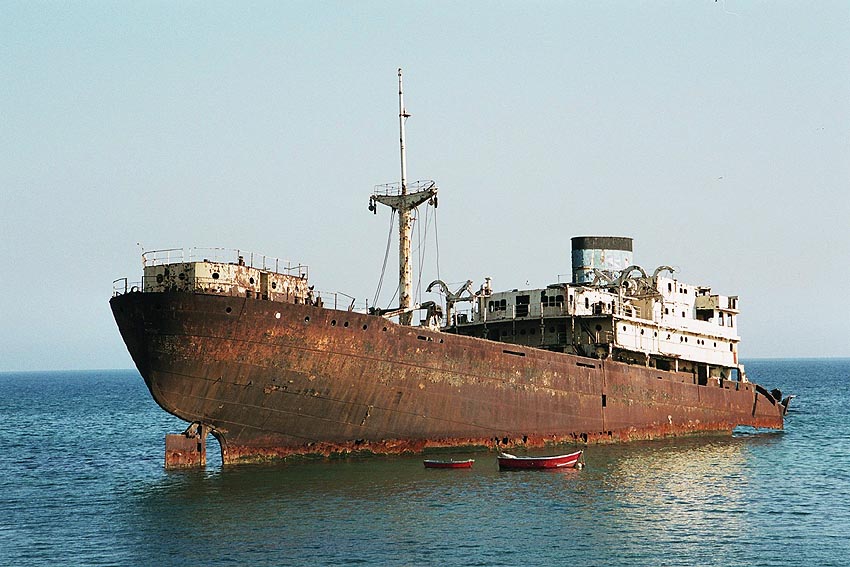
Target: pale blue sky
x=716, y=134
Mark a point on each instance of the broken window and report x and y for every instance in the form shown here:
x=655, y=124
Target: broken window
x=522, y=302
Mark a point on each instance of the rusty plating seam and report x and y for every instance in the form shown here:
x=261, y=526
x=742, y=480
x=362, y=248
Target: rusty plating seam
x=244, y=454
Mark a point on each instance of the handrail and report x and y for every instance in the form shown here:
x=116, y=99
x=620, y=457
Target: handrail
x=223, y=255
x=335, y=296
x=123, y=285
x=118, y=285
x=392, y=189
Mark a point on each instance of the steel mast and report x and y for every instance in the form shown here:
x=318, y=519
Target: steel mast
x=399, y=197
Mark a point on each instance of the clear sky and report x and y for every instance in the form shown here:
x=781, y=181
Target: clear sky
x=716, y=134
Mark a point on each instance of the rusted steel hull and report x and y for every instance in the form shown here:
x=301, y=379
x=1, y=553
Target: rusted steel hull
x=183, y=451
x=271, y=380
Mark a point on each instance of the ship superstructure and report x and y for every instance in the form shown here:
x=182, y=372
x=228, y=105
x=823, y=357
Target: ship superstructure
x=615, y=311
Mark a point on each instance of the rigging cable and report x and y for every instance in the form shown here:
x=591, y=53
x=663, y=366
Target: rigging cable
x=422, y=245
x=428, y=222
x=386, y=255
x=419, y=252
x=437, y=248
x=437, y=243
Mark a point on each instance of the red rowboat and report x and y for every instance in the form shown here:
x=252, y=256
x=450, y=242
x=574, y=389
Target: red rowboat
x=432, y=464
x=508, y=461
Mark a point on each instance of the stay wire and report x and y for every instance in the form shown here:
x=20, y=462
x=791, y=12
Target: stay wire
x=422, y=244
x=386, y=256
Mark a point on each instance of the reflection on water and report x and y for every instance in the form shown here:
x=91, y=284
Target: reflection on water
x=676, y=494
x=628, y=501
x=81, y=477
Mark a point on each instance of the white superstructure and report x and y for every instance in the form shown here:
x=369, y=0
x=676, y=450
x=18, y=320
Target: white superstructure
x=629, y=315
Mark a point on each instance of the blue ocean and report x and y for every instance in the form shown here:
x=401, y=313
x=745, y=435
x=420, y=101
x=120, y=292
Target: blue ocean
x=82, y=483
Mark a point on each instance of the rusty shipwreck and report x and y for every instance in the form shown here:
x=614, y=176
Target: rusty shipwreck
x=242, y=347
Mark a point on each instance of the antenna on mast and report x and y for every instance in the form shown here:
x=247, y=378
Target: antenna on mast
x=397, y=197
x=402, y=117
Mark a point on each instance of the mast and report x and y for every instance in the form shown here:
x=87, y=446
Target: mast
x=405, y=223
x=398, y=197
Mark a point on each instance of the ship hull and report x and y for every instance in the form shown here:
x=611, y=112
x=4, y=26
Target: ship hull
x=272, y=379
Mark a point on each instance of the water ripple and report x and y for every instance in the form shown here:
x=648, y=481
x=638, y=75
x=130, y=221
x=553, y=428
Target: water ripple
x=81, y=481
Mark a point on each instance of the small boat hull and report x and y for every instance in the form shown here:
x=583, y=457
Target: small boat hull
x=434, y=464
x=512, y=462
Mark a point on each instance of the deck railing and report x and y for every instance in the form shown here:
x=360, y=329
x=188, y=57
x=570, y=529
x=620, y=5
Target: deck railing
x=337, y=300
x=224, y=255
x=329, y=299
x=124, y=285
x=392, y=189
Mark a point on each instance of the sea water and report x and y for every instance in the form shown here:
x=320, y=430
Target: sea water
x=82, y=483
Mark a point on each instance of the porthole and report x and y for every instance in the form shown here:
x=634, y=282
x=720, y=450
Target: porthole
x=215, y=275
x=228, y=310
x=251, y=281
x=624, y=327
x=159, y=278
x=277, y=315
x=345, y=324
x=182, y=276
x=598, y=327
x=365, y=327
x=715, y=344
x=307, y=319
x=333, y=322
x=274, y=285
x=655, y=334
x=384, y=329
